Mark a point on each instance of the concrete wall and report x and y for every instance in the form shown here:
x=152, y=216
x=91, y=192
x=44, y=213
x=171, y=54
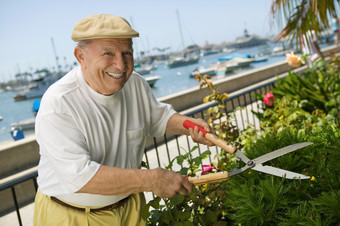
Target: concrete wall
x=16, y=156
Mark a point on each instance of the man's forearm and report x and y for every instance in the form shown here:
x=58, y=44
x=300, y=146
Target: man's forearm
x=116, y=181
x=175, y=125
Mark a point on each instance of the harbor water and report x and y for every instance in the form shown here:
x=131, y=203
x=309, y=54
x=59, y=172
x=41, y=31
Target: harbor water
x=172, y=80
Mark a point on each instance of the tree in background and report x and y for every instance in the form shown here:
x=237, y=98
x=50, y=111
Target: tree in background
x=297, y=17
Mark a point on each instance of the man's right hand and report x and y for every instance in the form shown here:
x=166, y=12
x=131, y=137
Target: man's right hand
x=166, y=183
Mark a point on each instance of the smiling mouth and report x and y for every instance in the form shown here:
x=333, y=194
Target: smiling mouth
x=113, y=75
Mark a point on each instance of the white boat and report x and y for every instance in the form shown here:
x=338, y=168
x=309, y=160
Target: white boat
x=280, y=51
x=143, y=69
x=26, y=124
x=180, y=61
x=152, y=80
x=241, y=62
x=211, y=71
x=35, y=88
x=208, y=52
x=224, y=67
x=258, y=59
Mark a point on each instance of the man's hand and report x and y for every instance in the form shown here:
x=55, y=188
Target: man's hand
x=166, y=183
x=198, y=136
x=175, y=126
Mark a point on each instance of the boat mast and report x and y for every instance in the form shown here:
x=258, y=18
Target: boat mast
x=56, y=57
x=180, y=29
x=135, y=46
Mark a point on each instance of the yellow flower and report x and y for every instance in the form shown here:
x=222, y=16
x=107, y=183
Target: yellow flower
x=281, y=117
x=205, y=186
x=249, y=172
x=313, y=178
x=294, y=60
x=314, y=124
x=205, y=99
x=223, y=213
x=206, y=200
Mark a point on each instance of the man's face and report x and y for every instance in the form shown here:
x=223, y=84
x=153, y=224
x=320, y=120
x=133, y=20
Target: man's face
x=107, y=64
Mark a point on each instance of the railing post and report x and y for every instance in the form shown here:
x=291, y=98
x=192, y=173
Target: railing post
x=16, y=205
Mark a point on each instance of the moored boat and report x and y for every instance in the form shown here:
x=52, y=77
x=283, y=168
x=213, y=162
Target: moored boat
x=35, y=88
x=143, y=69
x=180, y=61
x=152, y=80
x=26, y=124
x=211, y=71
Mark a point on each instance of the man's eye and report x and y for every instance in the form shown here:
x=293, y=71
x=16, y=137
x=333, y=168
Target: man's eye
x=127, y=53
x=108, y=53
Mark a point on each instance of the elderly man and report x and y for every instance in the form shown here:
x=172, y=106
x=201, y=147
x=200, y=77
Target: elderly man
x=91, y=128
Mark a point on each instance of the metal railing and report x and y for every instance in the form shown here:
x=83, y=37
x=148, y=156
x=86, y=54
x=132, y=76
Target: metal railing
x=164, y=149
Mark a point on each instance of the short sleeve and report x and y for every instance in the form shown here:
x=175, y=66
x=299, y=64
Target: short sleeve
x=63, y=148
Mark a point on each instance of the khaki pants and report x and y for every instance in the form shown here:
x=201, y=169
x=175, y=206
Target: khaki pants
x=47, y=212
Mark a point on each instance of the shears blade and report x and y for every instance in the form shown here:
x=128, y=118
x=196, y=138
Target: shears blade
x=279, y=172
x=279, y=152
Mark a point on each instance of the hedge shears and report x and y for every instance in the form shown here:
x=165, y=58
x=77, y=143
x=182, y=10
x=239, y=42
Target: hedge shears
x=254, y=164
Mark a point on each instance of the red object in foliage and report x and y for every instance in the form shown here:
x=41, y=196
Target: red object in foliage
x=268, y=99
x=207, y=169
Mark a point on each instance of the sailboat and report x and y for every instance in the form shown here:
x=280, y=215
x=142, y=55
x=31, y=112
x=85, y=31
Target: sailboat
x=185, y=57
x=180, y=61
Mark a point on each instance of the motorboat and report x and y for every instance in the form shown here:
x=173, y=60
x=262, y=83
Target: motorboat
x=152, y=80
x=241, y=62
x=229, y=66
x=258, y=59
x=280, y=51
x=211, y=71
x=143, y=69
x=233, y=56
x=36, y=88
x=208, y=52
x=27, y=124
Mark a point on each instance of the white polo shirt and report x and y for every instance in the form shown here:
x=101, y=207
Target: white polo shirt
x=79, y=129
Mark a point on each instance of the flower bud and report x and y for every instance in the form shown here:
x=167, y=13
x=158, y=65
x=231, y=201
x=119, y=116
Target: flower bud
x=268, y=99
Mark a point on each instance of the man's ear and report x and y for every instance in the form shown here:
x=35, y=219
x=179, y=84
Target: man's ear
x=79, y=54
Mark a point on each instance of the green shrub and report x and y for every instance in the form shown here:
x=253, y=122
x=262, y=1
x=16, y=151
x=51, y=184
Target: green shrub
x=306, y=108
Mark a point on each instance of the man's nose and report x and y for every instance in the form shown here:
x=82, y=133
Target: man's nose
x=120, y=62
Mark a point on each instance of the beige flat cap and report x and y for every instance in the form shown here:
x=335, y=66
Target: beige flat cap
x=102, y=26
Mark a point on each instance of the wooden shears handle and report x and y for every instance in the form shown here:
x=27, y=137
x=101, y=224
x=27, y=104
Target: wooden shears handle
x=209, y=178
x=211, y=137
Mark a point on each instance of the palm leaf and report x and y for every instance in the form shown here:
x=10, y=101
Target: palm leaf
x=297, y=17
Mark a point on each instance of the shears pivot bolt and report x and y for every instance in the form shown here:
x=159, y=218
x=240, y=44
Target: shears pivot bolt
x=250, y=163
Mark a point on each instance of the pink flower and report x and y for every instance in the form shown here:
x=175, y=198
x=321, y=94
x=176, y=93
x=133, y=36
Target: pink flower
x=207, y=169
x=268, y=99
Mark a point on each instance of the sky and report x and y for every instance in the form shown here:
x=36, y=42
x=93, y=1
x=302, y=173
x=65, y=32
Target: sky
x=27, y=27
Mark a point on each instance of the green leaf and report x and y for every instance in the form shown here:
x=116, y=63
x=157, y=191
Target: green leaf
x=205, y=154
x=183, y=171
x=211, y=216
x=197, y=160
x=155, y=203
x=178, y=199
x=145, y=211
x=180, y=159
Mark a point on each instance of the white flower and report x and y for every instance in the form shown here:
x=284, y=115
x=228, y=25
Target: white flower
x=294, y=60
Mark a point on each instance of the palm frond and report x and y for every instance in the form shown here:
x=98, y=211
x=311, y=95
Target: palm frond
x=297, y=17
